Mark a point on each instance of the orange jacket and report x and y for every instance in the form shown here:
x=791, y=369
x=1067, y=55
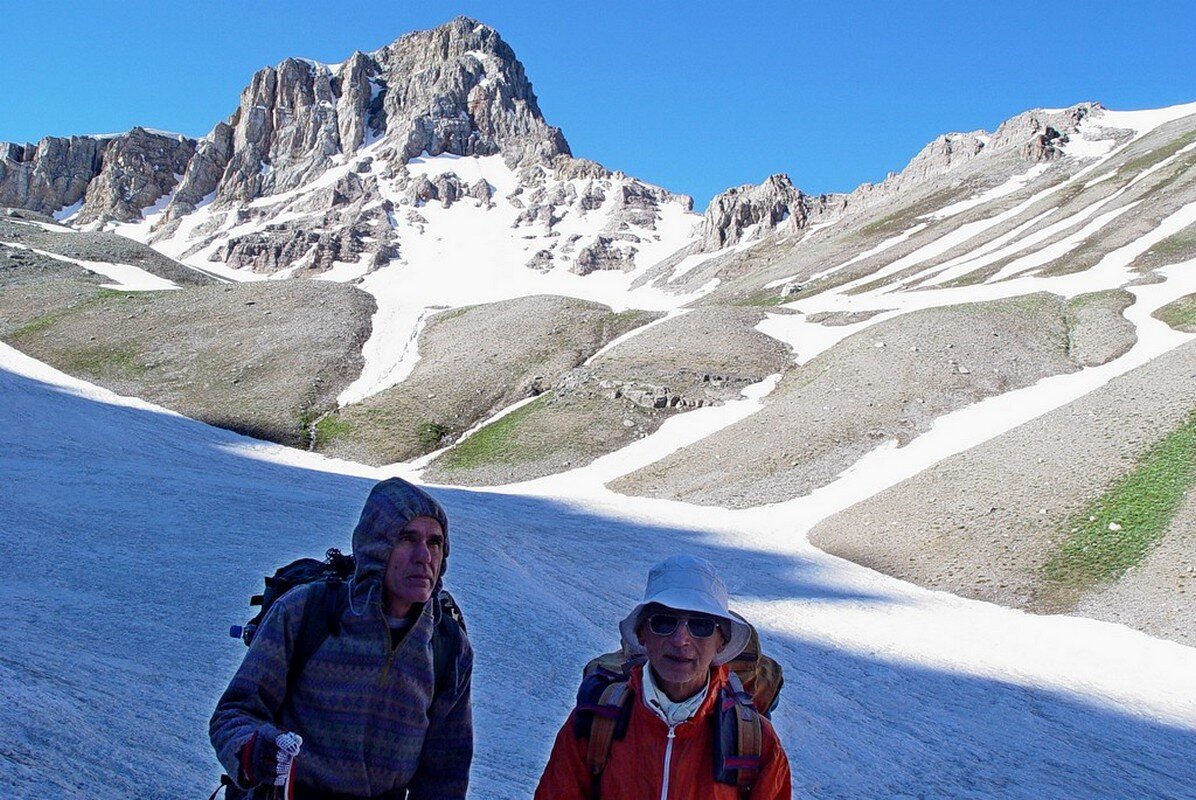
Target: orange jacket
x=635, y=768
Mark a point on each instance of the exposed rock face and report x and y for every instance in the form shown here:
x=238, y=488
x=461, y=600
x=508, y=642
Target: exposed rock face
x=776, y=203
x=1033, y=136
x=775, y=206
x=456, y=89
x=117, y=176
x=604, y=254
x=137, y=170
x=50, y=175
x=203, y=174
x=459, y=89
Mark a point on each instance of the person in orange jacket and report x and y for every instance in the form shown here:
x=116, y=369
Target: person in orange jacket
x=667, y=749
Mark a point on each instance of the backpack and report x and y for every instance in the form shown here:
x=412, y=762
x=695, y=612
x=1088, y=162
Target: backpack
x=322, y=609
x=604, y=702
x=326, y=602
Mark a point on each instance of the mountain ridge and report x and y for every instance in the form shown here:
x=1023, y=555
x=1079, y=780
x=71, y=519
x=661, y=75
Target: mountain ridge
x=848, y=324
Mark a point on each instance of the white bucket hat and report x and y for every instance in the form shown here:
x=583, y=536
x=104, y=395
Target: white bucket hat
x=688, y=583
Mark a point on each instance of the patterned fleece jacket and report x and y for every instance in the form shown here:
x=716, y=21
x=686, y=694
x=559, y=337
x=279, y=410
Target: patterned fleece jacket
x=371, y=722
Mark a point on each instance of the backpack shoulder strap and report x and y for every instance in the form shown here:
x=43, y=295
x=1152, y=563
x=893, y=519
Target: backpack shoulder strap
x=446, y=638
x=739, y=737
x=607, y=725
x=322, y=610
x=601, y=716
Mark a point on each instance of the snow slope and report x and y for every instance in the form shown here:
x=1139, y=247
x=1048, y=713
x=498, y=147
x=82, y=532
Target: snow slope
x=133, y=537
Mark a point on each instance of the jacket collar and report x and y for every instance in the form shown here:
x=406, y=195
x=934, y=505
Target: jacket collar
x=718, y=679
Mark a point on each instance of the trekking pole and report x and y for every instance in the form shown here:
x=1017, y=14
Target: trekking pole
x=288, y=747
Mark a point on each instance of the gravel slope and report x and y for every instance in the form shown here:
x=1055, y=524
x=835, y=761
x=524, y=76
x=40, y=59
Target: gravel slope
x=983, y=523
x=890, y=381
x=259, y=358
x=704, y=356
x=473, y=362
x=108, y=247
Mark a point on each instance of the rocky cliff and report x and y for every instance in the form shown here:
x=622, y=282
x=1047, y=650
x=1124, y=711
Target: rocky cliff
x=456, y=89
x=114, y=177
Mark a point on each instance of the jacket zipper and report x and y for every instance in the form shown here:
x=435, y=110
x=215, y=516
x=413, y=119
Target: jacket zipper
x=668, y=757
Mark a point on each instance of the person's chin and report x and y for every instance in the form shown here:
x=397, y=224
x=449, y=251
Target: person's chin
x=418, y=593
x=677, y=671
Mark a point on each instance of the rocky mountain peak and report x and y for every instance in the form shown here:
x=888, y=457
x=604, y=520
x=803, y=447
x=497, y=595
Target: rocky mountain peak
x=775, y=206
x=460, y=89
x=456, y=89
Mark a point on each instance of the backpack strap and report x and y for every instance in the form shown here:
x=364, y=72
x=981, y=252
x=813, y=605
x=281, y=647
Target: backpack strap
x=601, y=716
x=446, y=638
x=322, y=610
x=738, y=739
x=608, y=713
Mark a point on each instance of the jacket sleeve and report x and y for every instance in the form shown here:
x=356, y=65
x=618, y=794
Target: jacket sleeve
x=443, y=771
x=774, y=781
x=566, y=776
x=256, y=692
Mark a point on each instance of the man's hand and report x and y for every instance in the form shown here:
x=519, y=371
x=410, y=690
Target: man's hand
x=266, y=757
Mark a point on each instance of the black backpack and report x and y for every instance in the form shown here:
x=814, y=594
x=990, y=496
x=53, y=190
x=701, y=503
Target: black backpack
x=326, y=602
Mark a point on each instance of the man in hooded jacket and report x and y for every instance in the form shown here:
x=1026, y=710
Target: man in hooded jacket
x=366, y=704
x=688, y=635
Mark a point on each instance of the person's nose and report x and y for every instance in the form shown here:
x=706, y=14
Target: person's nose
x=681, y=635
x=423, y=553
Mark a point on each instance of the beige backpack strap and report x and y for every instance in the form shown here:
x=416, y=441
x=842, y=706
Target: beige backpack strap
x=602, y=728
x=749, y=739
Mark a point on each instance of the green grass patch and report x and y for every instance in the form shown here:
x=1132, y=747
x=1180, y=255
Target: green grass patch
x=497, y=443
x=327, y=428
x=109, y=294
x=1119, y=528
x=430, y=434
x=1174, y=249
x=123, y=362
x=36, y=326
x=1180, y=314
x=765, y=297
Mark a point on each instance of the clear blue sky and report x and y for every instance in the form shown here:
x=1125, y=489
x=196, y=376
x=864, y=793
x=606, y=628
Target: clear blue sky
x=695, y=96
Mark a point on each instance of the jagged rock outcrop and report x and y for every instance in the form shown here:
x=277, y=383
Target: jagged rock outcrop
x=1033, y=136
x=604, y=253
x=775, y=206
x=49, y=175
x=459, y=89
x=455, y=89
x=115, y=176
x=203, y=174
x=136, y=171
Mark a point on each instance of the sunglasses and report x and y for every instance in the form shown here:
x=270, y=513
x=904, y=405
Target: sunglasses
x=699, y=627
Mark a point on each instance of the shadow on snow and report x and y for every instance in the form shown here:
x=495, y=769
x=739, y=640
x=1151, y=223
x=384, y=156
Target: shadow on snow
x=133, y=539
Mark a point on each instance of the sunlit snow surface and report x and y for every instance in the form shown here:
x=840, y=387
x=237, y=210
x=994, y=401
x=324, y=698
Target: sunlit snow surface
x=133, y=535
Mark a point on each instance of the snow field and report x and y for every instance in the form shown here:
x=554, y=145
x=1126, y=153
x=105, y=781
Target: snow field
x=891, y=690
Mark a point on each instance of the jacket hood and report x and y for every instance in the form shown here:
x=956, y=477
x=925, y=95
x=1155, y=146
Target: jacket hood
x=392, y=504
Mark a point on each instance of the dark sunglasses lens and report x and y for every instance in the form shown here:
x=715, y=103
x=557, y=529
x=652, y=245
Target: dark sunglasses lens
x=665, y=624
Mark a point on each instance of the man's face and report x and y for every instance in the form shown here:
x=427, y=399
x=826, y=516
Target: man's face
x=414, y=565
x=679, y=659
